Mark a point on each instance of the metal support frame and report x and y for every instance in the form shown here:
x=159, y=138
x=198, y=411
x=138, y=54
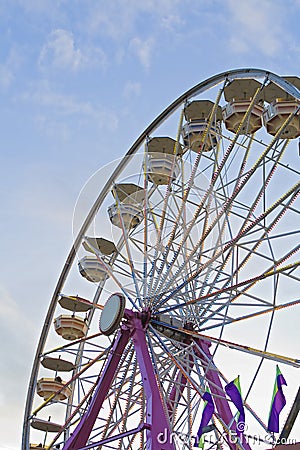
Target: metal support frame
x=156, y=411
x=138, y=429
x=82, y=432
x=157, y=425
x=179, y=386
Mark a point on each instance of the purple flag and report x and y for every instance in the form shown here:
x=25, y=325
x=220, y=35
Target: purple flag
x=278, y=402
x=233, y=390
x=207, y=413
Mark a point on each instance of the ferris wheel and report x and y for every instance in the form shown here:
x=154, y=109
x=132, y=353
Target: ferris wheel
x=183, y=275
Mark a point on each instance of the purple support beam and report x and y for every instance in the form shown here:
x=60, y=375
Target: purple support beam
x=177, y=389
x=138, y=429
x=83, y=430
x=178, y=386
x=158, y=432
x=214, y=382
x=159, y=437
x=216, y=388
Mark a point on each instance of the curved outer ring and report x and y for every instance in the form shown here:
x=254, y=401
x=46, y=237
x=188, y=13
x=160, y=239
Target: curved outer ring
x=197, y=89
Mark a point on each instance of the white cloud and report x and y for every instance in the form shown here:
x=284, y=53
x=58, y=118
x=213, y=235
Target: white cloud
x=6, y=76
x=15, y=326
x=131, y=89
x=255, y=25
x=53, y=128
x=118, y=19
x=9, y=311
x=172, y=22
x=40, y=7
x=9, y=67
x=47, y=203
x=18, y=339
x=59, y=104
x=143, y=50
x=61, y=52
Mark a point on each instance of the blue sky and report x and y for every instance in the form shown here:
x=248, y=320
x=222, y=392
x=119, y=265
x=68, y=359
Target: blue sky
x=79, y=81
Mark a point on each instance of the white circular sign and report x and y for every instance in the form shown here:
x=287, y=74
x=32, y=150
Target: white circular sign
x=112, y=314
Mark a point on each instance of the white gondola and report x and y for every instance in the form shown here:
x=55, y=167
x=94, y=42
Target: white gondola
x=128, y=209
x=196, y=134
x=92, y=269
x=239, y=95
x=281, y=105
x=70, y=327
x=131, y=215
x=46, y=387
x=163, y=161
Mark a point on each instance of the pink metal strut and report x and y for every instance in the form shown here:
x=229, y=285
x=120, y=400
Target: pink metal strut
x=83, y=430
x=159, y=437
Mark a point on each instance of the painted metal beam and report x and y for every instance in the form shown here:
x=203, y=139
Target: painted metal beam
x=159, y=437
x=138, y=429
x=83, y=430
